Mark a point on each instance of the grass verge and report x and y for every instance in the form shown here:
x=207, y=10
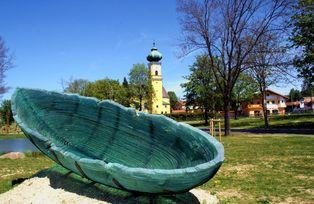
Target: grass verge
x=265, y=169
x=286, y=121
x=21, y=168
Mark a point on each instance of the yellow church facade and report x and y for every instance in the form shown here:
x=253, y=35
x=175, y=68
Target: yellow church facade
x=160, y=100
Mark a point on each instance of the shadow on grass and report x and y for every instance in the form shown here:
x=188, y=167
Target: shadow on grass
x=62, y=178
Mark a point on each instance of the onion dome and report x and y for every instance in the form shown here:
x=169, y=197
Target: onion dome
x=154, y=55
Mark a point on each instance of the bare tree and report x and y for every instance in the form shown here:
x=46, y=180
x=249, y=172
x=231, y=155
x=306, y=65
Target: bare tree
x=74, y=85
x=269, y=65
x=228, y=30
x=5, y=65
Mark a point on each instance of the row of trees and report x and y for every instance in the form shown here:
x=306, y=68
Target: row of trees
x=241, y=39
x=136, y=91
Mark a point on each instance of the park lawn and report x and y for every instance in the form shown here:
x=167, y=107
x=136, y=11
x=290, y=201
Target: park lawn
x=281, y=122
x=21, y=168
x=264, y=169
x=285, y=121
x=11, y=136
x=257, y=168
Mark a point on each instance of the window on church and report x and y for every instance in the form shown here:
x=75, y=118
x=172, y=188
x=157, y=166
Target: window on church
x=156, y=106
x=156, y=73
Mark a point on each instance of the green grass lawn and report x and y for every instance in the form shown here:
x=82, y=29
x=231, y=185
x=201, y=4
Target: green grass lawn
x=11, y=136
x=268, y=168
x=21, y=168
x=257, y=168
x=286, y=121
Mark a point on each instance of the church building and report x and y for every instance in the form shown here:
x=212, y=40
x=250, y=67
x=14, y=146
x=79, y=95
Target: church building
x=160, y=100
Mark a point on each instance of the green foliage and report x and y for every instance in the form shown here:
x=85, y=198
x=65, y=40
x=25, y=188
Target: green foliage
x=135, y=92
x=303, y=37
x=127, y=100
x=244, y=89
x=173, y=100
x=140, y=85
x=200, y=88
x=76, y=86
x=106, y=89
x=4, y=110
x=295, y=95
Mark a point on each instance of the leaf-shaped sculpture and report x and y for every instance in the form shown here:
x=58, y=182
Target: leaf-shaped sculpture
x=114, y=145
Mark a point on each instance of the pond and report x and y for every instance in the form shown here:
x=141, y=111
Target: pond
x=17, y=145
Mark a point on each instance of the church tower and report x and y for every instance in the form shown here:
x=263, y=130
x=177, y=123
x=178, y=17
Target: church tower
x=160, y=101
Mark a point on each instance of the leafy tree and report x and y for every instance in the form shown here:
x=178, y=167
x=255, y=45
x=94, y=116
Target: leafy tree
x=303, y=38
x=173, y=100
x=229, y=30
x=106, y=89
x=5, y=64
x=125, y=83
x=243, y=91
x=142, y=90
x=200, y=87
x=75, y=86
x=4, y=110
x=127, y=92
x=295, y=95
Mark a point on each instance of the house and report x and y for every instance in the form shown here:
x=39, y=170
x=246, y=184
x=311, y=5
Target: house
x=275, y=104
x=306, y=103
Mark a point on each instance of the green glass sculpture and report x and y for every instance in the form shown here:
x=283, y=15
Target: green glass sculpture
x=114, y=145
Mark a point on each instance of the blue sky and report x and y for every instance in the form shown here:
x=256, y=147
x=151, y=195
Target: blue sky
x=53, y=40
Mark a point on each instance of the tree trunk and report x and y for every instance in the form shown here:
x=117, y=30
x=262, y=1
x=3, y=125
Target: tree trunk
x=235, y=111
x=206, y=116
x=264, y=106
x=227, y=116
x=140, y=103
